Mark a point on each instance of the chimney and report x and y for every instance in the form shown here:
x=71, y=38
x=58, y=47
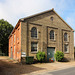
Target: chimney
x=52, y=8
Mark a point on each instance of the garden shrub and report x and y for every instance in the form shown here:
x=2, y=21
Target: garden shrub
x=59, y=56
x=40, y=56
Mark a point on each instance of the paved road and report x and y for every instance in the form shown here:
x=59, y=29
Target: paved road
x=69, y=71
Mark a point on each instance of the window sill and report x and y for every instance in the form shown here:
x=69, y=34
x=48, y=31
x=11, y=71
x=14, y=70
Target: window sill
x=34, y=38
x=52, y=40
x=66, y=41
x=66, y=52
x=34, y=52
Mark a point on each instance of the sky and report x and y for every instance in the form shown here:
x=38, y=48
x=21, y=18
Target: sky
x=13, y=10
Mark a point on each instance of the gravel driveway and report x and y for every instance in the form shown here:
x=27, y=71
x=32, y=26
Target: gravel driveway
x=9, y=67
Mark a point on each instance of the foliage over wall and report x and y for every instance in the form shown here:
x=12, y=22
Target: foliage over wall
x=5, y=30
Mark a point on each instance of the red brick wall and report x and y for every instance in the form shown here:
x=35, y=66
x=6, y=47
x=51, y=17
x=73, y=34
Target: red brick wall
x=15, y=42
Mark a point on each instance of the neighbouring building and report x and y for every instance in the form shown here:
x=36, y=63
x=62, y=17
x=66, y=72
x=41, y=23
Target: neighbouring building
x=45, y=31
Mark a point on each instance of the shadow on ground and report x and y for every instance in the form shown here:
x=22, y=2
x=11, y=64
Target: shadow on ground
x=9, y=68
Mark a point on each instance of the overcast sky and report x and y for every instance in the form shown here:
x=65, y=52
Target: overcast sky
x=13, y=10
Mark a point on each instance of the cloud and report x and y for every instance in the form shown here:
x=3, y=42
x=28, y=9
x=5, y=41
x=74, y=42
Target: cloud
x=12, y=10
x=70, y=20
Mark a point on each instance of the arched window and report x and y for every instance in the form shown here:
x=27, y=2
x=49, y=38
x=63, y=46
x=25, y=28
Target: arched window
x=34, y=32
x=51, y=18
x=52, y=34
x=65, y=37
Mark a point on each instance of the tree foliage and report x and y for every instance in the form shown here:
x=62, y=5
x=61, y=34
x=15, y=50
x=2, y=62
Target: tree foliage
x=5, y=30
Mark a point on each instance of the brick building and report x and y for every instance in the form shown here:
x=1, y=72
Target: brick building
x=45, y=31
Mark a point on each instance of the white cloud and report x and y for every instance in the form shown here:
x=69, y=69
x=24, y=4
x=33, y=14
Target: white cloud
x=12, y=10
x=70, y=20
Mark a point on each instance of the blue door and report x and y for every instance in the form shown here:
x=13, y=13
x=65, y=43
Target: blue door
x=50, y=53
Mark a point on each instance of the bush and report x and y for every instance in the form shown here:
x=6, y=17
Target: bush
x=40, y=56
x=59, y=56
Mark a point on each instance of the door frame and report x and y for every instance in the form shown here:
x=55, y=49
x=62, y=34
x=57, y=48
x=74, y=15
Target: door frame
x=47, y=51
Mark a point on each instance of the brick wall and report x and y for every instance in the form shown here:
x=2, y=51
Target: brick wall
x=44, y=24
x=15, y=43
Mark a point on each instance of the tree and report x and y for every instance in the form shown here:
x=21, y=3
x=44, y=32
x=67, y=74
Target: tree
x=5, y=30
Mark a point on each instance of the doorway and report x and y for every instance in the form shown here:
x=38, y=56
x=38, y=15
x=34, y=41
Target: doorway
x=11, y=53
x=50, y=53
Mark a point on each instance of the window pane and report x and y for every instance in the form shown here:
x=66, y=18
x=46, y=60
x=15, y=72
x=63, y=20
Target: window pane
x=51, y=34
x=65, y=37
x=14, y=37
x=34, y=32
x=33, y=46
x=14, y=49
x=66, y=48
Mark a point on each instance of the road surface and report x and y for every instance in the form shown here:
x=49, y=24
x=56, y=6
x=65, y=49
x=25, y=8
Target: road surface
x=69, y=71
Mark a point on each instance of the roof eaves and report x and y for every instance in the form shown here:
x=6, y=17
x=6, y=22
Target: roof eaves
x=14, y=29
x=22, y=19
